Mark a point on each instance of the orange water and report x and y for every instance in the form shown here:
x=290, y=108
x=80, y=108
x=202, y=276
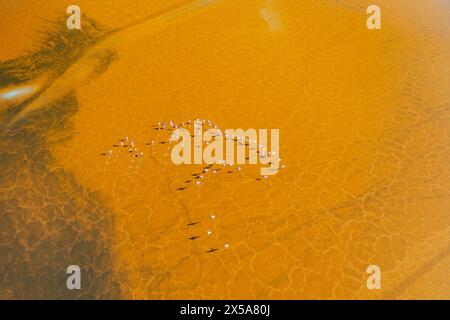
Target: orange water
x=364, y=138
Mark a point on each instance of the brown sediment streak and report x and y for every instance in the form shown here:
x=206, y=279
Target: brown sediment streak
x=87, y=67
x=425, y=268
